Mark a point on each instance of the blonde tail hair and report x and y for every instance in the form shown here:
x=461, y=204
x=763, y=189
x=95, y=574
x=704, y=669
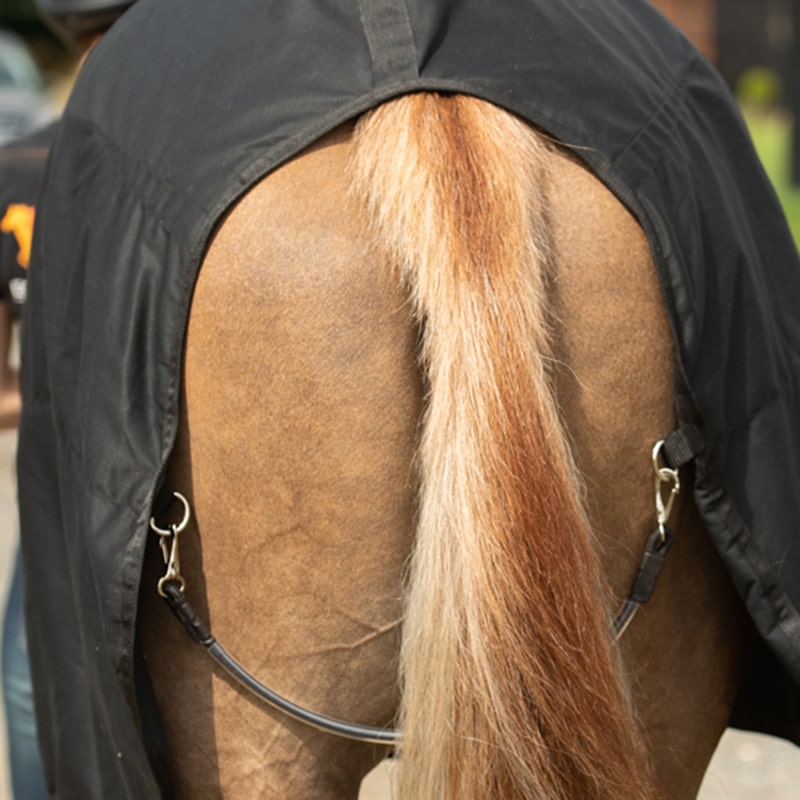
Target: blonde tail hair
x=511, y=686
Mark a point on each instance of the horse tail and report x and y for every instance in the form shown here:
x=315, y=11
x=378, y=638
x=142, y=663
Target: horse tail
x=511, y=685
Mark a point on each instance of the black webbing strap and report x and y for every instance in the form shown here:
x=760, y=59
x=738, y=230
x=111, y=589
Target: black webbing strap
x=198, y=631
x=644, y=584
x=678, y=449
x=683, y=445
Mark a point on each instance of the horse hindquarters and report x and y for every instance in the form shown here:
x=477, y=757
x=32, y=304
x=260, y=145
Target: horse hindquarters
x=298, y=432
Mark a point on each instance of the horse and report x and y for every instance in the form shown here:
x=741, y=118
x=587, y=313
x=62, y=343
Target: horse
x=426, y=364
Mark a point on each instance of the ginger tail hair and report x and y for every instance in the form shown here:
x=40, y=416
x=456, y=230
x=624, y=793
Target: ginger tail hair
x=511, y=684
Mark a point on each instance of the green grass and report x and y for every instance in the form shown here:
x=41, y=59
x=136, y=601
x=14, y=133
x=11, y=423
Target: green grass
x=771, y=132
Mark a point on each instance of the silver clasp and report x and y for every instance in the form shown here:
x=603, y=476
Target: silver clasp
x=666, y=478
x=168, y=539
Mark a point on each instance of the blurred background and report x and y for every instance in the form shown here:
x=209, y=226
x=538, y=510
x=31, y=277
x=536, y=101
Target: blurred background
x=755, y=44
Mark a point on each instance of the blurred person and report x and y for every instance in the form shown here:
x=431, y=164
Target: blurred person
x=21, y=166
x=80, y=23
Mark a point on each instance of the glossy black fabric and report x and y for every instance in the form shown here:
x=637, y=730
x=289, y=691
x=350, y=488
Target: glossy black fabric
x=186, y=104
